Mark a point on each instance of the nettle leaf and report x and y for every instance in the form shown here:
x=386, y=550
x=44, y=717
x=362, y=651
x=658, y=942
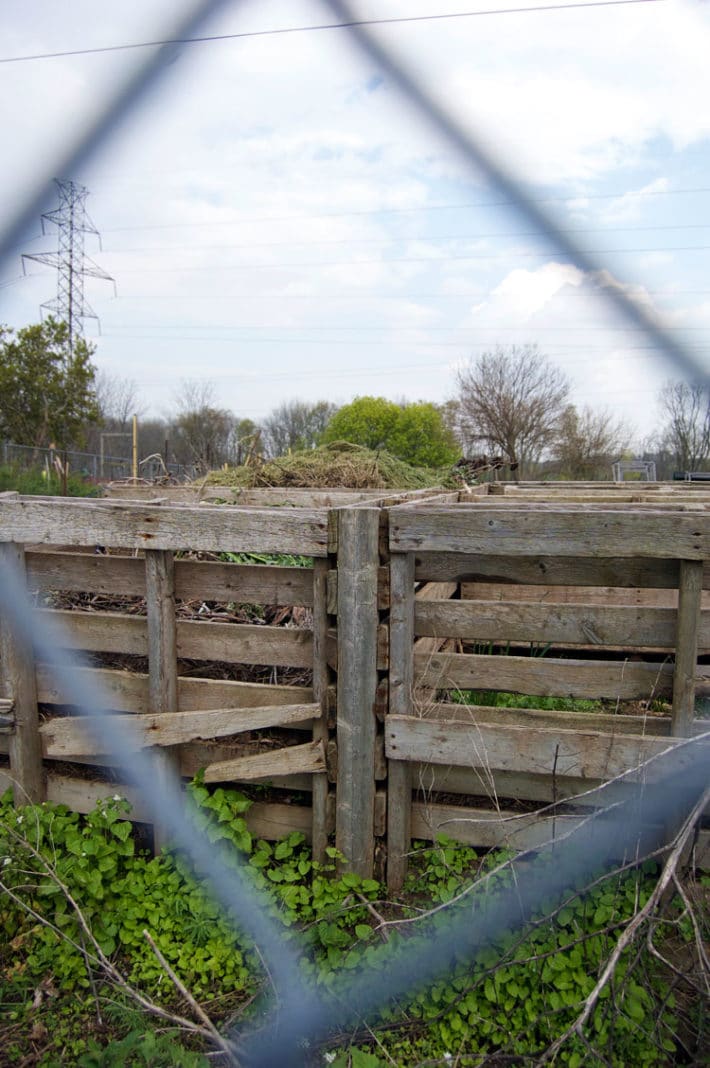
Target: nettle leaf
x=122, y=830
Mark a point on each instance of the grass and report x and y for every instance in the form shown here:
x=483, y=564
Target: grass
x=502, y=699
x=339, y=464
x=36, y=481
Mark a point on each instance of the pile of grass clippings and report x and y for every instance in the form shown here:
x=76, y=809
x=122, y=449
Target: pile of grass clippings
x=336, y=465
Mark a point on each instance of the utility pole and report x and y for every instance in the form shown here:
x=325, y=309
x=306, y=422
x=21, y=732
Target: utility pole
x=70, y=260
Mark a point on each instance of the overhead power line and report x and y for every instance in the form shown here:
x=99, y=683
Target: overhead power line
x=641, y=193
x=319, y=28
x=390, y=240
x=384, y=262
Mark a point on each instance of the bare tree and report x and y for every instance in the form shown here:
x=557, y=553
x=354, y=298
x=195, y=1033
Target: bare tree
x=511, y=400
x=117, y=399
x=686, y=434
x=202, y=430
x=296, y=425
x=588, y=442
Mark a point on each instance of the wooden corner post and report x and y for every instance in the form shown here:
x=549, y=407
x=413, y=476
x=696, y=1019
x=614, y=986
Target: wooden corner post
x=162, y=660
x=320, y=694
x=399, y=775
x=690, y=589
x=358, y=561
x=19, y=684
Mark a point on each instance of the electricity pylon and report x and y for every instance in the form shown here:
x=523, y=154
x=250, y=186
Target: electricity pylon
x=70, y=261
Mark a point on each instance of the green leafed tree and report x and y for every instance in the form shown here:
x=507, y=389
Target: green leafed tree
x=413, y=432
x=47, y=393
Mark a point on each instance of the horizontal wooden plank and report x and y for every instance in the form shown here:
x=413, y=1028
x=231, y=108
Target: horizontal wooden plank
x=544, y=676
x=537, y=570
x=505, y=829
x=243, y=583
x=123, y=525
x=115, y=576
x=127, y=691
x=587, y=624
x=433, y=591
x=235, y=643
x=603, y=595
x=500, y=786
x=608, y=501
x=291, y=760
x=261, y=497
x=488, y=829
x=620, y=723
x=560, y=532
x=583, y=754
x=203, y=580
x=69, y=736
x=264, y=819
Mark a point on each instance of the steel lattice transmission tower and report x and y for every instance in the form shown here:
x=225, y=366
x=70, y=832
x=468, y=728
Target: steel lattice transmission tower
x=70, y=261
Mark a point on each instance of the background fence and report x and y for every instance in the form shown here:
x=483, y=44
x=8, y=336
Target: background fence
x=363, y=680
x=97, y=466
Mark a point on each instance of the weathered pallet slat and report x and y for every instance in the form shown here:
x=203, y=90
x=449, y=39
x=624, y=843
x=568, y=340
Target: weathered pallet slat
x=162, y=665
x=237, y=643
x=544, y=676
x=583, y=754
x=623, y=723
x=269, y=820
x=125, y=525
x=292, y=760
x=586, y=624
x=127, y=691
x=19, y=686
x=204, y=580
x=504, y=829
x=358, y=620
x=70, y=736
x=469, y=529
x=534, y=569
x=321, y=679
x=688, y=638
x=401, y=693
x=613, y=596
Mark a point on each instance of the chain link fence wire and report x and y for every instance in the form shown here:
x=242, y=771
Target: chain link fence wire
x=676, y=781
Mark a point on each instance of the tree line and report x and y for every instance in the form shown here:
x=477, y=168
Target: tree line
x=511, y=404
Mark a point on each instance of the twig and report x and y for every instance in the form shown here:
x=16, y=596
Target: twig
x=381, y=928
x=98, y=956
x=217, y=1038
x=90, y=973
x=629, y=933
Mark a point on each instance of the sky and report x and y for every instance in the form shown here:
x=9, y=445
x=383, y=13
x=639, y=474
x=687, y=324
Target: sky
x=281, y=223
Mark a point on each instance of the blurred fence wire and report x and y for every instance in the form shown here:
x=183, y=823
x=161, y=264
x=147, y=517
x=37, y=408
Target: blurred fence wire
x=302, y=1014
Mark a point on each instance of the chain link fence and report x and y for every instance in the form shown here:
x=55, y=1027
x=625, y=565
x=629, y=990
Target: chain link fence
x=99, y=467
x=303, y=1014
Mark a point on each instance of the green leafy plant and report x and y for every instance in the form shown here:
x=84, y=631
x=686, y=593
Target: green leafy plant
x=515, y=997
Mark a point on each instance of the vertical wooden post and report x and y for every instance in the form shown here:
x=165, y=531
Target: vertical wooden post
x=320, y=694
x=19, y=684
x=162, y=660
x=690, y=588
x=357, y=685
x=399, y=775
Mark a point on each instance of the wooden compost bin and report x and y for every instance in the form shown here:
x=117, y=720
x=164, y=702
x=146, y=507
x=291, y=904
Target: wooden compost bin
x=410, y=598
x=612, y=594
x=185, y=719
